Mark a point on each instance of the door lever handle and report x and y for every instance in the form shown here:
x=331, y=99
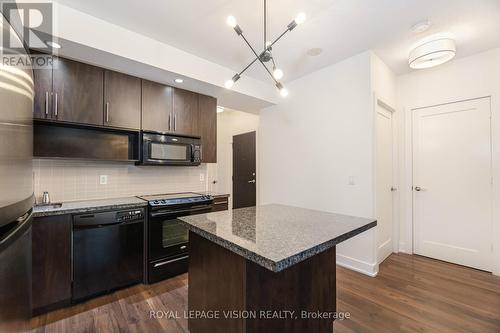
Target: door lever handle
x=418, y=188
x=251, y=181
x=394, y=189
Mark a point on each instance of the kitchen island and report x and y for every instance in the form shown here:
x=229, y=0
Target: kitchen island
x=268, y=268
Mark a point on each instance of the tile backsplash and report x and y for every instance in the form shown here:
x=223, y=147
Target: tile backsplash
x=67, y=180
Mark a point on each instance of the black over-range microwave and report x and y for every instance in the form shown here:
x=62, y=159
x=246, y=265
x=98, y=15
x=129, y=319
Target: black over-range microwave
x=164, y=149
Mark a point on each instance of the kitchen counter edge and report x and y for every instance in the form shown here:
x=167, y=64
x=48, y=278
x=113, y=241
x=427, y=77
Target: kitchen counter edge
x=89, y=206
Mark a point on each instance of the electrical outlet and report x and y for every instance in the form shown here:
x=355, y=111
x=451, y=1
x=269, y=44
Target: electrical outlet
x=103, y=179
x=202, y=177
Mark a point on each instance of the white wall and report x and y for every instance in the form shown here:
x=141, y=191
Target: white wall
x=229, y=123
x=466, y=78
x=314, y=140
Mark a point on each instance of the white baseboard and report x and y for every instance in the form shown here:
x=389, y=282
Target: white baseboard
x=403, y=248
x=357, y=265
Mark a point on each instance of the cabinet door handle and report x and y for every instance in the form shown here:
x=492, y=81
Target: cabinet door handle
x=107, y=112
x=46, y=103
x=55, y=105
x=175, y=122
x=169, y=127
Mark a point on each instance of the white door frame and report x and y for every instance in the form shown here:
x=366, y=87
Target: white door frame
x=378, y=102
x=407, y=212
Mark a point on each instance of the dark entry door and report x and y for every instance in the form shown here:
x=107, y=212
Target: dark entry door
x=244, y=176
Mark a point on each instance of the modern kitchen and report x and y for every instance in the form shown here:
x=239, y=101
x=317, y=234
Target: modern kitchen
x=167, y=170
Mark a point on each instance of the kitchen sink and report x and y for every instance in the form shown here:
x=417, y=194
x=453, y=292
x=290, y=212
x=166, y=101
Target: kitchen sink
x=50, y=206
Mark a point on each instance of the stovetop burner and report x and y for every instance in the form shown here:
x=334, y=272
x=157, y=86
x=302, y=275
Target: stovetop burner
x=176, y=199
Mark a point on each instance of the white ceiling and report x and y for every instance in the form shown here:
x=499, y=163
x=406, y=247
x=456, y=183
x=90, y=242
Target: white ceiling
x=342, y=28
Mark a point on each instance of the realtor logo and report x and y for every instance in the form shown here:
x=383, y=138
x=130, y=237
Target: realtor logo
x=30, y=26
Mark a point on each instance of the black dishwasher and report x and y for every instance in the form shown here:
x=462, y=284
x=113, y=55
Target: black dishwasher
x=108, y=251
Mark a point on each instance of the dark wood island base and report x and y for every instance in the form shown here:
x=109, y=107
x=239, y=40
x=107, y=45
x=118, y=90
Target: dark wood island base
x=224, y=288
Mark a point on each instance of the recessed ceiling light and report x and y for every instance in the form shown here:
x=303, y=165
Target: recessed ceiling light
x=421, y=26
x=314, y=52
x=179, y=80
x=53, y=45
x=432, y=53
x=220, y=109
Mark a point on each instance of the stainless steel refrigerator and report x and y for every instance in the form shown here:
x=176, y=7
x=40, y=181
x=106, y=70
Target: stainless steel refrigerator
x=16, y=188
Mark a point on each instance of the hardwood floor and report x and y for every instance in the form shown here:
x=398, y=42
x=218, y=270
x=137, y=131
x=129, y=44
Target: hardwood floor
x=410, y=294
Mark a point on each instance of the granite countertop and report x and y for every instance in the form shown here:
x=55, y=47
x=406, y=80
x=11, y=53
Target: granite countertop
x=276, y=236
x=86, y=206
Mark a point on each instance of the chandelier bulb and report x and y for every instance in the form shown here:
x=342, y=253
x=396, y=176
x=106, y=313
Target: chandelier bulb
x=283, y=91
x=277, y=73
x=230, y=83
x=231, y=21
x=300, y=18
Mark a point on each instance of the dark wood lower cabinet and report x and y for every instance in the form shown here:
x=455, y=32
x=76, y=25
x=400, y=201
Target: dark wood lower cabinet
x=51, y=252
x=223, y=282
x=220, y=203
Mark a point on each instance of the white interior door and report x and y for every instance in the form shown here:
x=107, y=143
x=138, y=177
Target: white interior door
x=452, y=195
x=384, y=183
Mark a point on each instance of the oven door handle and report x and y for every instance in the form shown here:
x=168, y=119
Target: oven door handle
x=171, y=212
x=169, y=261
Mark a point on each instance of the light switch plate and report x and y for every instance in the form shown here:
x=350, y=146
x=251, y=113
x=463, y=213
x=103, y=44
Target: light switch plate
x=103, y=179
x=202, y=177
x=351, y=180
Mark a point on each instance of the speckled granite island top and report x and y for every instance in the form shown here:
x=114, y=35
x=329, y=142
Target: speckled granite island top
x=86, y=206
x=276, y=236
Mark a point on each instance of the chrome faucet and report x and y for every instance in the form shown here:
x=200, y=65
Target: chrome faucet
x=45, y=198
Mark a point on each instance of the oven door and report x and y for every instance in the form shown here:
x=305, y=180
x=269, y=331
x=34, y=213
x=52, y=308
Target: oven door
x=167, y=235
x=167, y=153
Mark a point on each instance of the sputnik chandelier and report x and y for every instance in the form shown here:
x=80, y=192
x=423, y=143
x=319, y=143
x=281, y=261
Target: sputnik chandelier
x=266, y=55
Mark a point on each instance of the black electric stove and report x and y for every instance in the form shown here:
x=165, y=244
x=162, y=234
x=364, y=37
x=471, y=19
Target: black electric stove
x=177, y=199
x=168, y=250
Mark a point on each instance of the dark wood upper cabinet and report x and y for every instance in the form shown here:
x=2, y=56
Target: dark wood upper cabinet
x=156, y=107
x=42, y=77
x=51, y=262
x=122, y=100
x=185, y=112
x=207, y=127
x=77, y=92
x=71, y=93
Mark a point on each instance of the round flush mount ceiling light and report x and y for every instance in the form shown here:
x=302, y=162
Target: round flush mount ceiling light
x=178, y=80
x=432, y=53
